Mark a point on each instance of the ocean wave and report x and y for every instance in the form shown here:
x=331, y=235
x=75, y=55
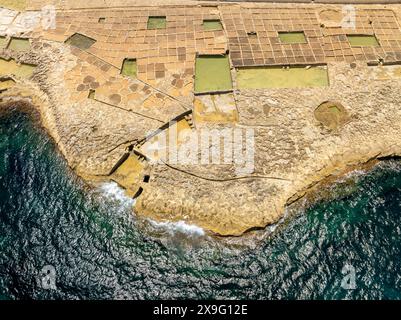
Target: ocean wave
x=112, y=191
x=178, y=227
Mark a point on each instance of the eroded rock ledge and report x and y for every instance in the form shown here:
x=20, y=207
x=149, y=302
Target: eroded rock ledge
x=104, y=122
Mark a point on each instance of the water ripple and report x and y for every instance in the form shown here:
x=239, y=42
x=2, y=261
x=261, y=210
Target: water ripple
x=100, y=250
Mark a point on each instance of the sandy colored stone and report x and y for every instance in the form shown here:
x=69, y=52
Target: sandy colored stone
x=217, y=108
x=293, y=150
x=129, y=174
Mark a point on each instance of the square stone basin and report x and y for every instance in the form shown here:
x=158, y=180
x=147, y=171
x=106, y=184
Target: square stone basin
x=157, y=23
x=212, y=74
x=129, y=68
x=19, y=44
x=292, y=37
x=10, y=67
x=282, y=77
x=362, y=40
x=212, y=25
x=80, y=41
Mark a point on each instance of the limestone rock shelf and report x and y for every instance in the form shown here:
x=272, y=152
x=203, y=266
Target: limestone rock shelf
x=108, y=102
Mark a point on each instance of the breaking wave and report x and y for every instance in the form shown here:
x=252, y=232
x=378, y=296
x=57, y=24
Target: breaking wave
x=114, y=192
x=178, y=227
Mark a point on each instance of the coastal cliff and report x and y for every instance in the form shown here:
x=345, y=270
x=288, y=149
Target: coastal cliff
x=105, y=122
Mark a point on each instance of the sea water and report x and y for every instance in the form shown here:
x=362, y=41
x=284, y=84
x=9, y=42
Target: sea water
x=87, y=243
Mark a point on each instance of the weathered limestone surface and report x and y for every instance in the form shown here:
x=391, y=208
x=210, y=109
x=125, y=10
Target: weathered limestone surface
x=92, y=135
x=293, y=150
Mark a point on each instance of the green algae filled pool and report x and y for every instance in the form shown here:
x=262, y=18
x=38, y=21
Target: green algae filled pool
x=280, y=77
x=99, y=250
x=212, y=74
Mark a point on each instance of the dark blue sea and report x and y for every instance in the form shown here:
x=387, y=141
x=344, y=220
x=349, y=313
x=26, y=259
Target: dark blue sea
x=63, y=239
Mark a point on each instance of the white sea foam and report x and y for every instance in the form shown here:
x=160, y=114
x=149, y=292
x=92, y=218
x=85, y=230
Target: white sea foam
x=179, y=227
x=356, y=173
x=113, y=192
